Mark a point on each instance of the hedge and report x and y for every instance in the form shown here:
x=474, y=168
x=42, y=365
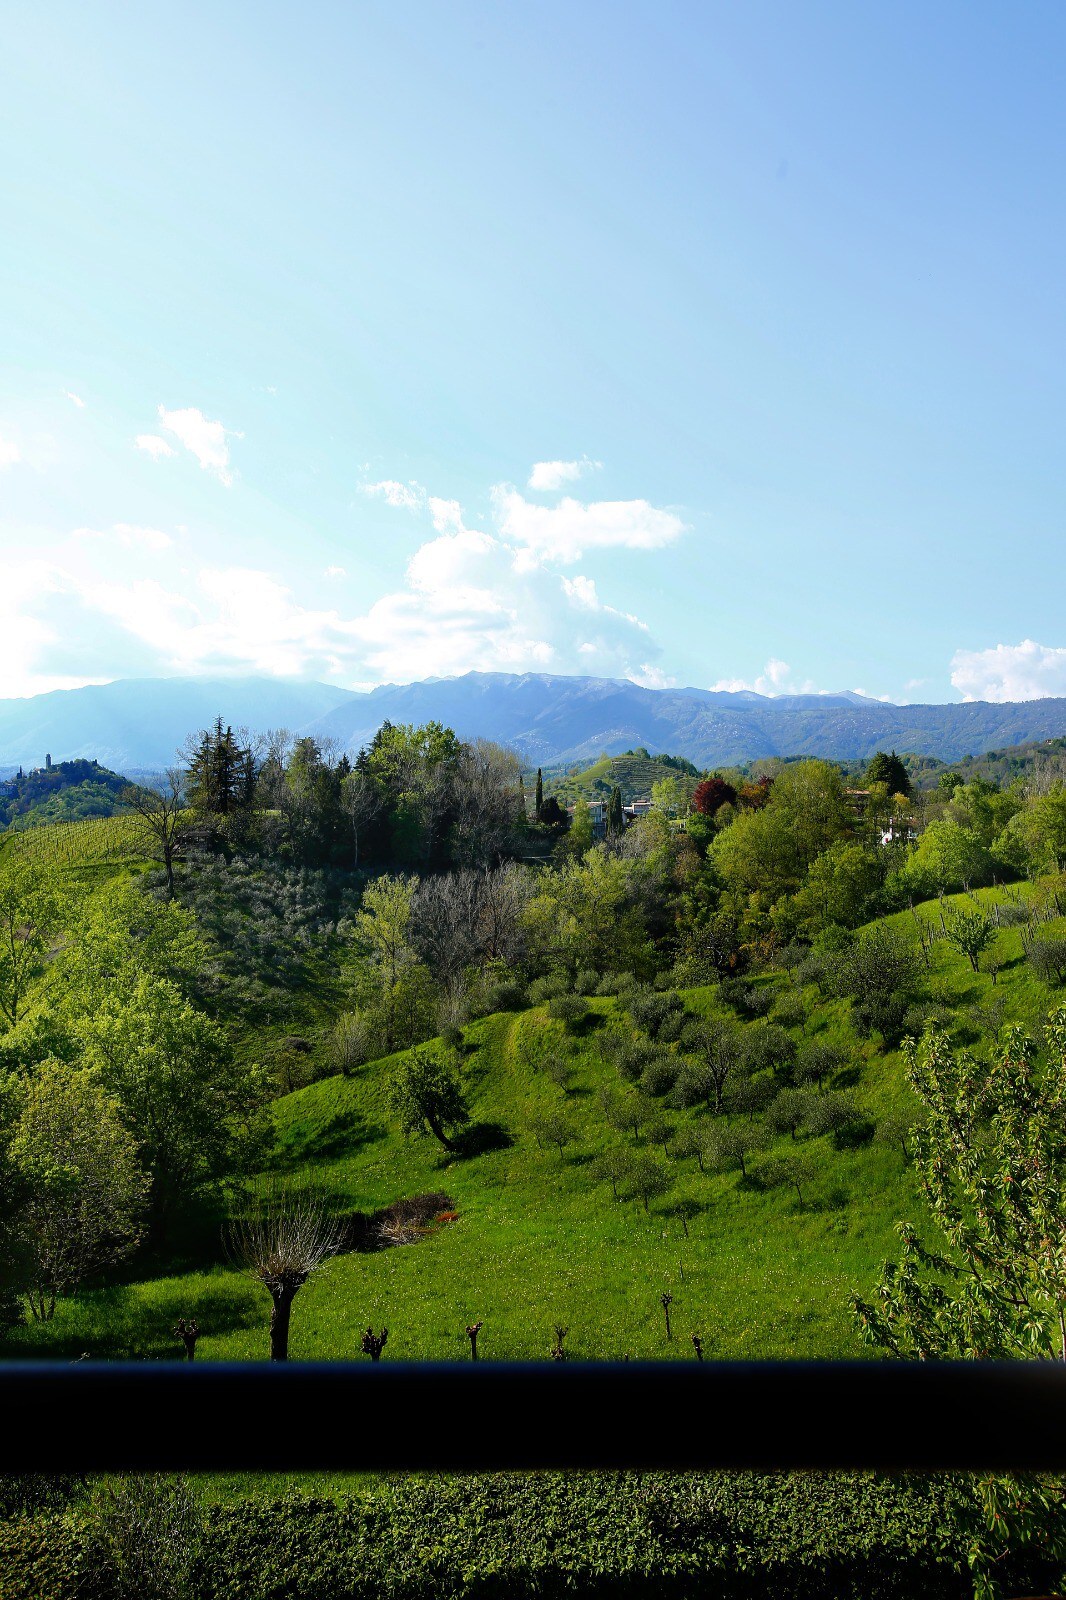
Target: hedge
x=719, y=1536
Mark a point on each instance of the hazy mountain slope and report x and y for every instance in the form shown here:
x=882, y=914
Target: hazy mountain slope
x=140, y=723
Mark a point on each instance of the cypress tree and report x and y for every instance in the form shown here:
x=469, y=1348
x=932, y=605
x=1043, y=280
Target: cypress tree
x=615, y=820
x=539, y=802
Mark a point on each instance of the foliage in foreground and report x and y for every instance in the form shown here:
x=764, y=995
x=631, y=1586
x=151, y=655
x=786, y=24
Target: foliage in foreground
x=719, y=1536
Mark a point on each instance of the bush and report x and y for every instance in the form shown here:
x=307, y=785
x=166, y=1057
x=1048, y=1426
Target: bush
x=569, y=1009
x=587, y=982
x=652, y=1011
x=506, y=995
x=660, y=1075
x=790, y=1009
x=1047, y=957
x=549, y=987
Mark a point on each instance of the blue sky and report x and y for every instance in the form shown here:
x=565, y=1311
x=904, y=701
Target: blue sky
x=706, y=344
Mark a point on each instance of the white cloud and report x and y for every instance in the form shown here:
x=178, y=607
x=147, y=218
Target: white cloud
x=1026, y=671
x=204, y=439
x=154, y=445
x=10, y=454
x=651, y=677
x=565, y=532
x=774, y=679
x=410, y=496
x=336, y=572
x=75, y=399
x=552, y=475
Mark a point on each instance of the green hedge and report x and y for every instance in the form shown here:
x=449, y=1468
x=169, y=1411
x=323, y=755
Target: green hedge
x=721, y=1536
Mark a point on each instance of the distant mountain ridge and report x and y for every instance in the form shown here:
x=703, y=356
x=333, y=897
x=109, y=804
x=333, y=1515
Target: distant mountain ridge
x=139, y=724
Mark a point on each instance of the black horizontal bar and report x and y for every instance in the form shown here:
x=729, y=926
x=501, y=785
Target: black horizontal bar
x=103, y=1416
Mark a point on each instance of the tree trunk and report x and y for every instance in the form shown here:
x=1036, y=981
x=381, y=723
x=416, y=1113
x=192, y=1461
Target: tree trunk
x=279, y=1323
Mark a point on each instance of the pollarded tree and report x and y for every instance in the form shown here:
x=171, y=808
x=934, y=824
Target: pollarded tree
x=281, y=1241
x=425, y=1093
x=84, y=1190
x=991, y=1164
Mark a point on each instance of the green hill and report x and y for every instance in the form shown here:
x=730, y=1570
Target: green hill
x=754, y=1269
x=633, y=773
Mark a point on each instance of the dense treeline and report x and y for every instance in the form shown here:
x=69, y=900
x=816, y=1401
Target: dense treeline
x=64, y=791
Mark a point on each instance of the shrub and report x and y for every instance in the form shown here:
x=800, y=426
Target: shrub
x=588, y=982
x=549, y=987
x=790, y=1009
x=505, y=995
x=651, y=1010
x=789, y=1112
x=660, y=1075
x=569, y=1009
x=1046, y=955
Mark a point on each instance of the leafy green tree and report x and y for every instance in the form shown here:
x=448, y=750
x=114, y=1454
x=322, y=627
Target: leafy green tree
x=949, y=857
x=84, y=1190
x=1049, y=824
x=382, y=927
x=889, y=770
x=787, y=1171
x=971, y=933
x=838, y=887
x=425, y=1092
x=990, y=1159
x=579, y=840
x=726, y=1148
x=30, y=915
x=186, y=1097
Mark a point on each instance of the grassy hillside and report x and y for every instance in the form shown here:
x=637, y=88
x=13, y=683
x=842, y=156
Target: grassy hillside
x=537, y=1241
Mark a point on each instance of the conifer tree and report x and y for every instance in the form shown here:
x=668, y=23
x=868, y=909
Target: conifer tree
x=539, y=801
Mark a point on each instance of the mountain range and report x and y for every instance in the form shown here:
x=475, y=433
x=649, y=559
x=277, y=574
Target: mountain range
x=138, y=724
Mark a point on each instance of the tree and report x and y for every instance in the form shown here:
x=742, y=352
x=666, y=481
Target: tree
x=971, y=933
x=728, y=1148
x=361, y=802
x=991, y=1165
x=611, y=1168
x=84, y=1190
x=538, y=804
x=162, y=813
x=281, y=1242
x=720, y=1047
x=186, y=1097
x=579, y=839
x=220, y=778
x=30, y=913
x=616, y=821
x=646, y=1178
x=711, y=794
x=788, y=1170
x=889, y=770
x=382, y=927
x=424, y=1092
x=553, y=1127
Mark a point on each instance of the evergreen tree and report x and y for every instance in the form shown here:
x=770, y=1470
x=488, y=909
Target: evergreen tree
x=615, y=820
x=889, y=770
x=539, y=802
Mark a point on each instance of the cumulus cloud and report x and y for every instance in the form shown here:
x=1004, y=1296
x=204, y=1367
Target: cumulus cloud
x=10, y=454
x=204, y=439
x=75, y=399
x=1026, y=671
x=551, y=475
x=565, y=532
x=154, y=445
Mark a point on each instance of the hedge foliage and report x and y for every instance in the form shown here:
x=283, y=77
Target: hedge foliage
x=720, y=1536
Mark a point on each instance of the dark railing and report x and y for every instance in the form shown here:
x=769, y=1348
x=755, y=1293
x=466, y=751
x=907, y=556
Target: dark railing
x=227, y=1416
